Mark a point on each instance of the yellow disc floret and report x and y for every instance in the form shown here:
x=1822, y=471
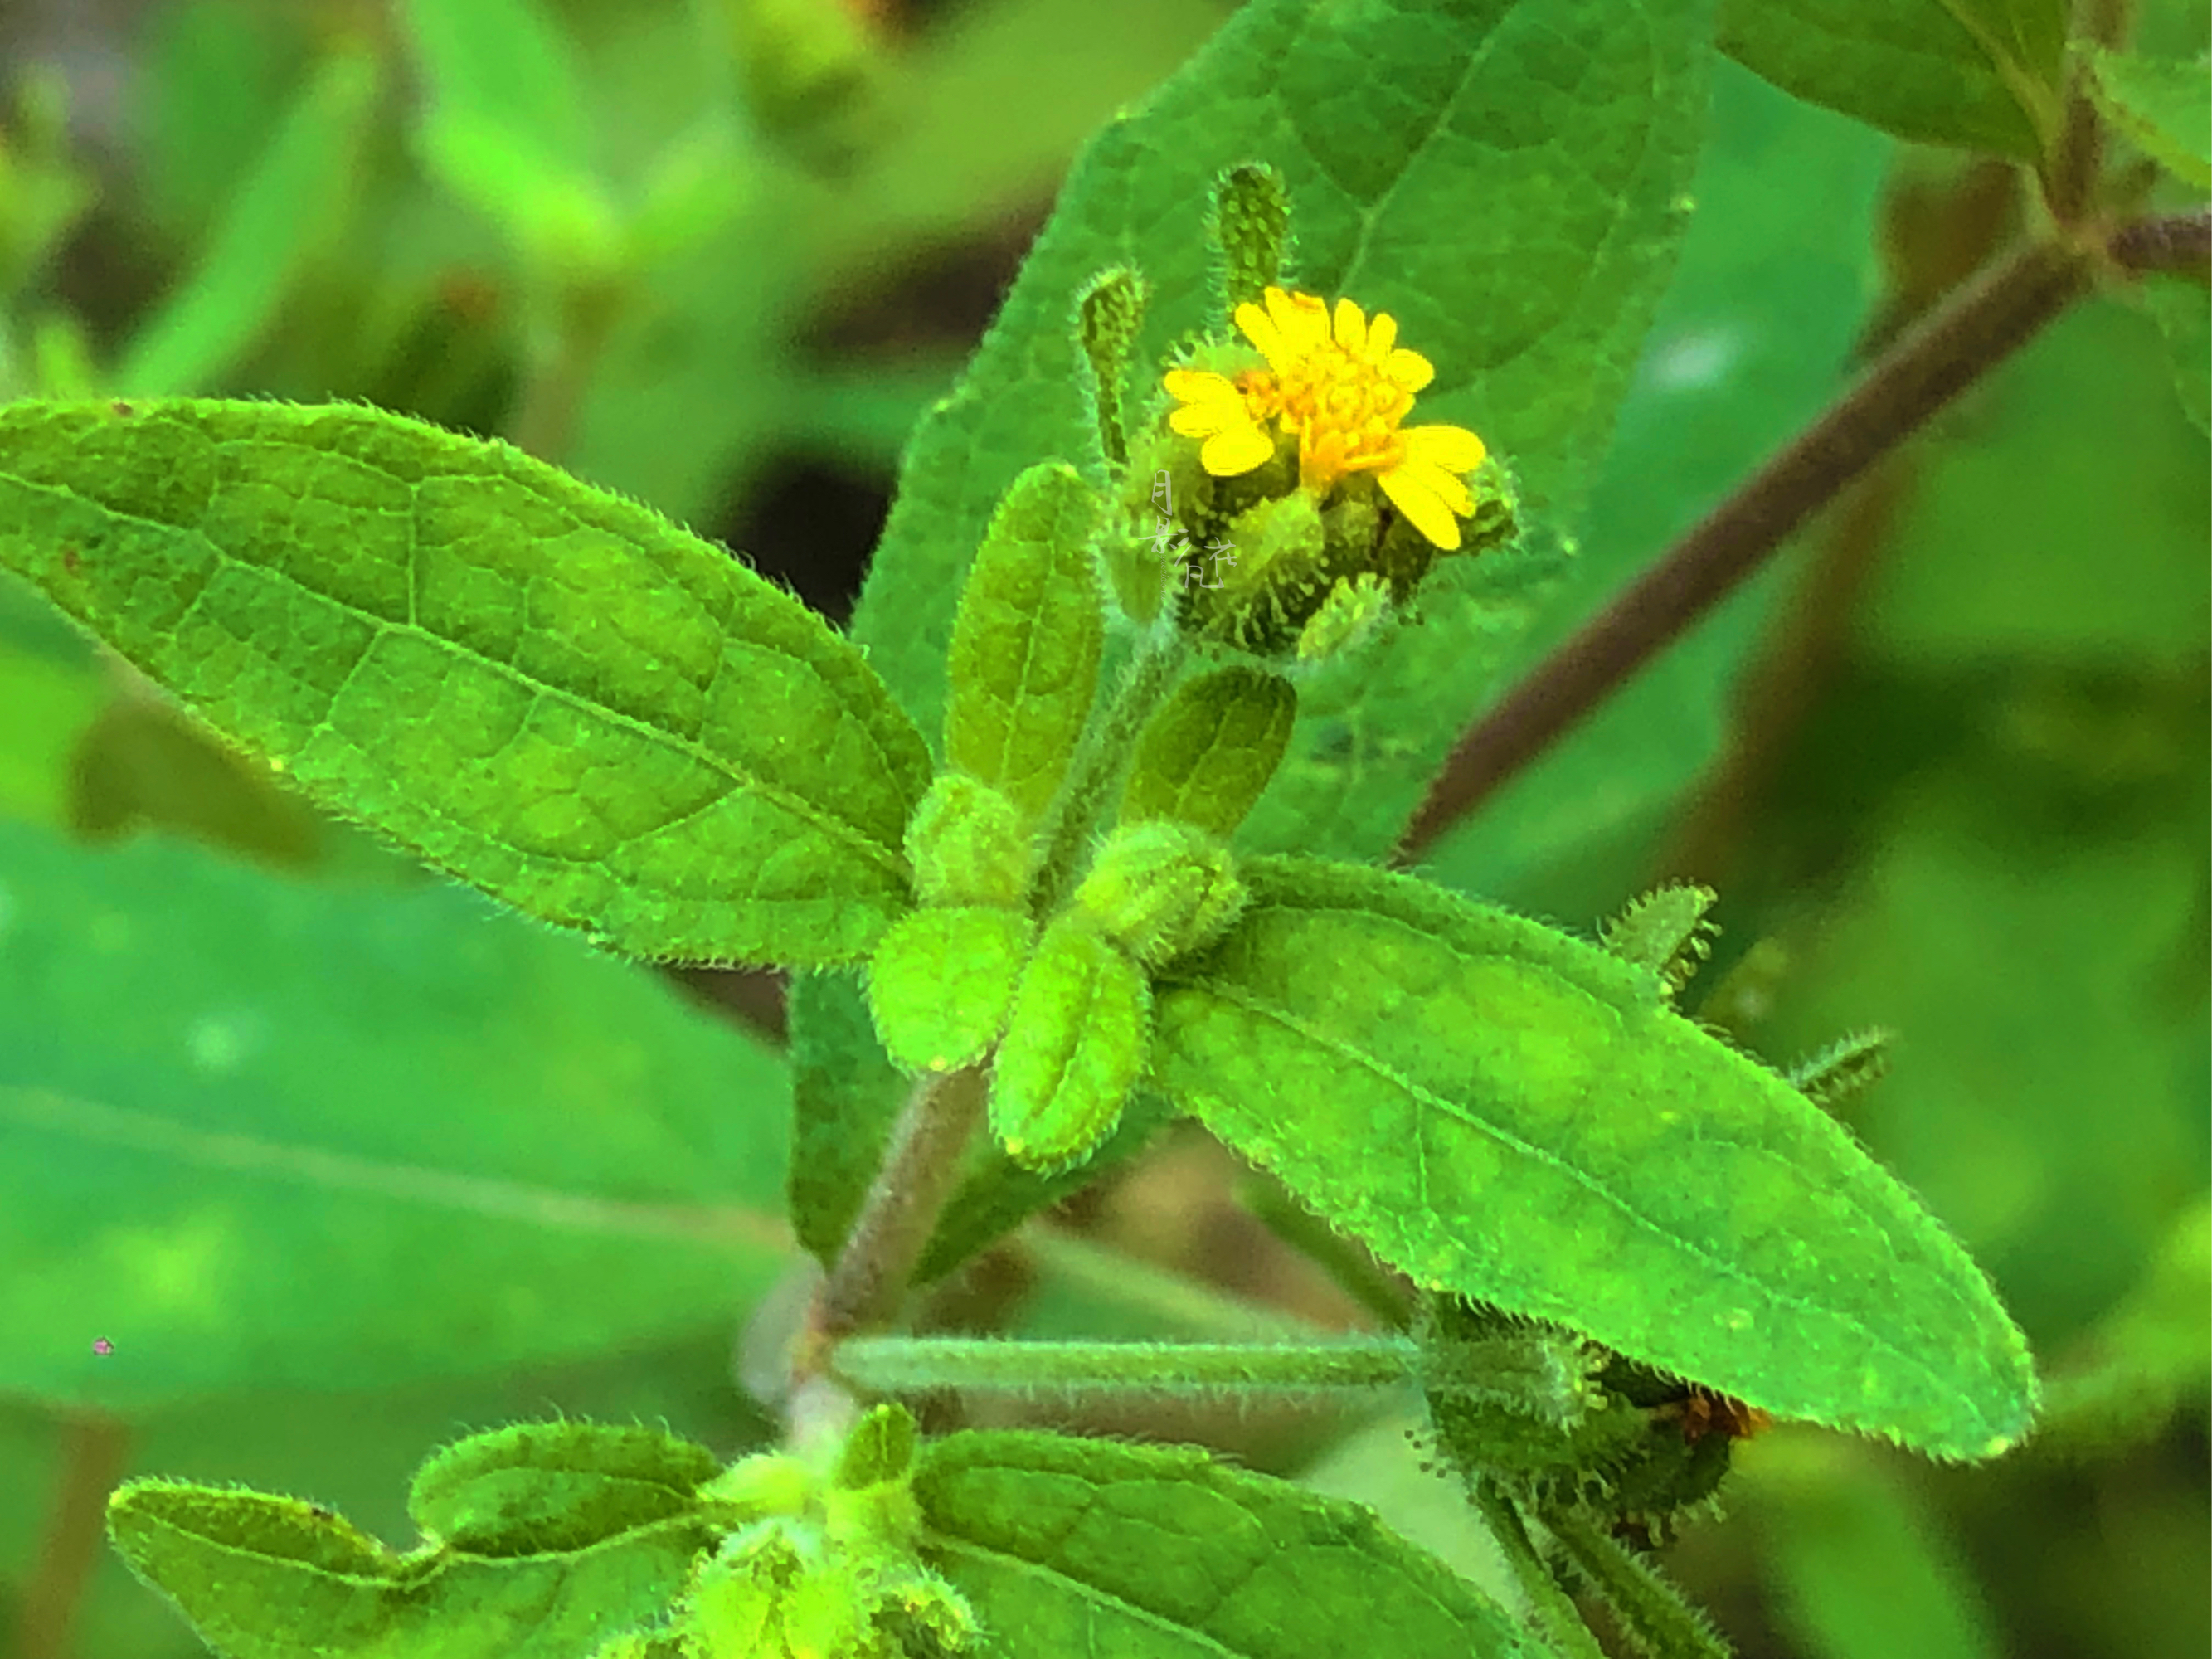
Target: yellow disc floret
x=1342, y=387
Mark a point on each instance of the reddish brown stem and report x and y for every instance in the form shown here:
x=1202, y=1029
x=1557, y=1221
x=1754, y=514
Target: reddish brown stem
x=1954, y=348
x=95, y=1450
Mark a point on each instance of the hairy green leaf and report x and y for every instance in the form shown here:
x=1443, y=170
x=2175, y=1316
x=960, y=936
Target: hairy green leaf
x=1160, y=1552
x=1027, y=641
x=298, y=187
x=2162, y=105
x=262, y=1578
x=1384, y=121
x=1206, y=756
x=540, y=1488
x=1074, y=1050
x=940, y=984
x=259, y=1135
x=551, y=692
x=1982, y=74
x=1513, y=1115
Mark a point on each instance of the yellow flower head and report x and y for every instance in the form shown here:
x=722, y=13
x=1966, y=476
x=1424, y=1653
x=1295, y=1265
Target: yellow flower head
x=1344, y=393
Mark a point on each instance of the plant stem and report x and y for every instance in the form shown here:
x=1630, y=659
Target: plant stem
x=1147, y=680
x=1503, y=1370
x=1551, y=1609
x=544, y=420
x=920, y=1168
x=2177, y=244
x=1651, y=1611
x=1955, y=346
x=95, y=1450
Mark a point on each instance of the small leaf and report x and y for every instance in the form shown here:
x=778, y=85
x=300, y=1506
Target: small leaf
x=968, y=845
x=258, y=1579
x=1160, y=1552
x=549, y=692
x=1515, y=1116
x=1203, y=759
x=1107, y=319
x=941, y=983
x=1072, y=1051
x=1027, y=641
x=1843, y=1069
x=537, y=1488
x=1161, y=890
x=1983, y=74
x=2161, y=106
x=880, y=1448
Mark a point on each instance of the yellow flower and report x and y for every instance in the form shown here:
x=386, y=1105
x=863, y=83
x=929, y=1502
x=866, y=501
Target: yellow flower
x=1343, y=392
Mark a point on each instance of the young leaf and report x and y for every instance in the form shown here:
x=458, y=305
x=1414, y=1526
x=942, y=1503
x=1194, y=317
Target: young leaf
x=262, y=1577
x=2163, y=107
x=1160, y=1552
x=1073, y=1049
x=549, y=692
x=940, y=984
x=1205, y=758
x=847, y=1094
x=296, y=191
x=1381, y=121
x=260, y=1134
x=1982, y=74
x=1512, y=1114
x=538, y=1488
x=1026, y=644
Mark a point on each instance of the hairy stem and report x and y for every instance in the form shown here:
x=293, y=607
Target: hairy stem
x=2178, y=244
x=1501, y=1369
x=921, y=1167
x=95, y=1450
x=1146, y=681
x=1658, y=1623
x=1946, y=353
x=1551, y=1609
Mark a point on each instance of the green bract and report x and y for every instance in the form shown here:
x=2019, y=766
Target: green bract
x=1160, y=890
x=1205, y=758
x=554, y=693
x=1513, y=1115
x=941, y=983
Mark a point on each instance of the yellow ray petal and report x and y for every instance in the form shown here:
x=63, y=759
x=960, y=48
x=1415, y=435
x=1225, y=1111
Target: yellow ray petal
x=1351, y=327
x=1260, y=329
x=1236, y=449
x=1422, y=507
x=1382, y=335
x=1451, y=447
x=1200, y=386
x=1302, y=318
x=1409, y=370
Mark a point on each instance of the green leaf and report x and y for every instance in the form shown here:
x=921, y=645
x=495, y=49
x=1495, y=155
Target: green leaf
x=1160, y=1552
x=1206, y=756
x=540, y=1488
x=262, y=1578
x=276, y=217
x=1513, y=1115
x=2161, y=106
x=1750, y=343
x=1981, y=74
x=1383, y=120
x=941, y=983
x=846, y=1095
x=1074, y=1050
x=1027, y=641
x=550, y=692
x=260, y=1135
x=505, y=126
x=2179, y=308
x=1860, y=1568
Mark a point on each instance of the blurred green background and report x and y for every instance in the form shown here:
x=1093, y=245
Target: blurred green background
x=339, y=1163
